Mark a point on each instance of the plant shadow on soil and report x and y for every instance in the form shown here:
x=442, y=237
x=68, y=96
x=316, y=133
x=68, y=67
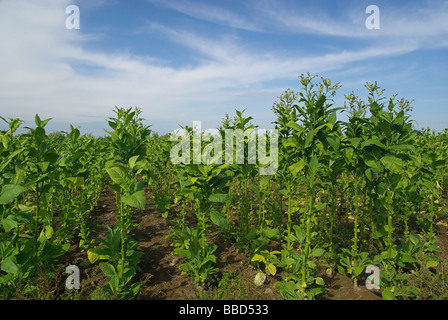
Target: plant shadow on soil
x=163, y=280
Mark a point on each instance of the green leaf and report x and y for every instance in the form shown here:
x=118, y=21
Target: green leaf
x=48, y=232
x=218, y=197
x=357, y=270
x=415, y=239
x=393, y=164
x=334, y=142
x=118, y=175
x=354, y=142
x=9, y=224
x=388, y=295
x=313, y=164
x=218, y=219
x=297, y=167
x=372, y=164
x=136, y=200
x=375, y=142
x=108, y=269
x=272, y=234
x=319, y=281
x=309, y=138
x=10, y=192
x=408, y=258
x=132, y=161
x=317, y=252
x=294, y=125
x=183, y=253
x=432, y=263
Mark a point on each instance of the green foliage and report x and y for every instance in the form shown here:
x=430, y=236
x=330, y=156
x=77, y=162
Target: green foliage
x=347, y=194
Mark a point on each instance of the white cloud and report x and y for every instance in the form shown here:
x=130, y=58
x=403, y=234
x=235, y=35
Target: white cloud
x=211, y=13
x=41, y=68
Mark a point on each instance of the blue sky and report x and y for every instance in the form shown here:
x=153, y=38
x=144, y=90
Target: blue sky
x=183, y=61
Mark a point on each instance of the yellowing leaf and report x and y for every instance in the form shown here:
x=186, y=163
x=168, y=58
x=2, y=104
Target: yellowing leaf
x=258, y=258
x=92, y=256
x=271, y=269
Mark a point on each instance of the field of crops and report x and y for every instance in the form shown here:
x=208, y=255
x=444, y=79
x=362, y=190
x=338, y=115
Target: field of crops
x=361, y=199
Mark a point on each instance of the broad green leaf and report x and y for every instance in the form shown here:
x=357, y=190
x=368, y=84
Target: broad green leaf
x=373, y=141
x=334, y=142
x=369, y=174
x=408, y=258
x=313, y=164
x=393, y=164
x=51, y=157
x=136, y=200
x=317, y=252
x=309, y=138
x=300, y=234
x=372, y=164
x=388, y=295
x=272, y=233
x=432, y=263
x=132, y=161
x=297, y=167
x=118, y=175
x=182, y=252
x=354, y=142
x=9, y=224
x=108, y=269
x=319, y=281
x=218, y=197
x=10, y=265
x=357, y=270
x=294, y=125
x=48, y=232
x=10, y=192
x=415, y=239
x=218, y=219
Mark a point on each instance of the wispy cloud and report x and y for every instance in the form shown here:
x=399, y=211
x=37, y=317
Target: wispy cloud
x=216, y=14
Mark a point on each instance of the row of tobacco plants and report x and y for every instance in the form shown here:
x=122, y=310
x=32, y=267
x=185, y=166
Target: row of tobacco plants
x=348, y=194
x=50, y=184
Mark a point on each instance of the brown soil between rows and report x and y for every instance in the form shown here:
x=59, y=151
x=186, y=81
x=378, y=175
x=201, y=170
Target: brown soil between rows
x=164, y=279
